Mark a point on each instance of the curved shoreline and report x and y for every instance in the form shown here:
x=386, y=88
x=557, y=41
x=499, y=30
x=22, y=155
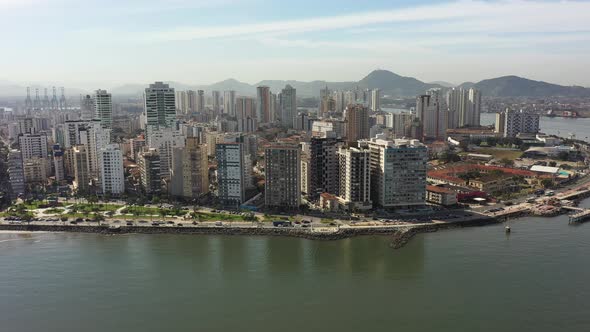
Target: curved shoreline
x=400, y=236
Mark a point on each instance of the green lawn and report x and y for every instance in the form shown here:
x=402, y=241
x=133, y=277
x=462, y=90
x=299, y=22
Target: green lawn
x=83, y=207
x=500, y=154
x=147, y=211
x=54, y=211
x=218, y=216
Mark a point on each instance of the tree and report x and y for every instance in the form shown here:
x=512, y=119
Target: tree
x=563, y=155
x=552, y=163
x=156, y=200
x=449, y=157
x=547, y=183
x=507, y=162
x=92, y=199
x=97, y=217
x=163, y=212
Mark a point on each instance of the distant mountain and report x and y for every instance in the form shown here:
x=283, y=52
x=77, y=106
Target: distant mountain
x=389, y=83
x=466, y=85
x=514, y=86
x=444, y=84
x=241, y=88
x=394, y=84
x=306, y=89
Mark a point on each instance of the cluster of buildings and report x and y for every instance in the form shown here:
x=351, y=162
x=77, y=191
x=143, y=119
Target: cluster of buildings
x=348, y=155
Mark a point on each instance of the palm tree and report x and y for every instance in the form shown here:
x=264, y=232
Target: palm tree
x=163, y=213
x=98, y=218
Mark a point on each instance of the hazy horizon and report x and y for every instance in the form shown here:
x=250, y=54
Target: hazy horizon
x=91, y=44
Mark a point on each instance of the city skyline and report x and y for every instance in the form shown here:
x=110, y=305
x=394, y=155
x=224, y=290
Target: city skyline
x=454, y=41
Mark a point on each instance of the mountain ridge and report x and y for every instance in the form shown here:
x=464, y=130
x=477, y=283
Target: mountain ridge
x=388, y=82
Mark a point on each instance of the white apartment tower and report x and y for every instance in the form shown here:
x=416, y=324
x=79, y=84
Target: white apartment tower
x=517, y=122
x=112, y=179
x=159, y=107
x=376, y=100
x=103, y=108
x=398, y=172
x=231, y=177
x=431, y=115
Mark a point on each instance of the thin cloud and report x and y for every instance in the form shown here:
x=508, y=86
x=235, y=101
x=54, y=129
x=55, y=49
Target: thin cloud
x=454, y=16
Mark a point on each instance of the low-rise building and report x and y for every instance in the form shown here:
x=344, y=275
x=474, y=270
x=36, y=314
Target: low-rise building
x=328, y=202
x=441, y=196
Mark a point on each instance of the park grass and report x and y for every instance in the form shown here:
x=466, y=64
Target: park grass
x=147, y=211
x=54, y=211
x=88, y=208
x=500, y=153
x=217, y=217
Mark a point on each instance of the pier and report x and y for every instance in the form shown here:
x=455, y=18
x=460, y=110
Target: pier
x=579, y=215
x=573, y=194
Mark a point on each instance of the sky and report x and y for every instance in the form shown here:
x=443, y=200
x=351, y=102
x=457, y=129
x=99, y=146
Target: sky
x=107, y=43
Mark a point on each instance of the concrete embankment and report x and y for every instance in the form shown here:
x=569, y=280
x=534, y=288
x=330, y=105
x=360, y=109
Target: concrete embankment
x=400, y=235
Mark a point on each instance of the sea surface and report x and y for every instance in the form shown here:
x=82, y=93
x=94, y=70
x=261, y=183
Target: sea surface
x=563, y=127
x=475, y=279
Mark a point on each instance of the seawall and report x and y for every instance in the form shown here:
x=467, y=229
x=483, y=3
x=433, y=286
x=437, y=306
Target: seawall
x=400, y=235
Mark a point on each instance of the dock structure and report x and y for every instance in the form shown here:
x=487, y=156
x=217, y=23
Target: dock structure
x=580, y=215
x=574, y=194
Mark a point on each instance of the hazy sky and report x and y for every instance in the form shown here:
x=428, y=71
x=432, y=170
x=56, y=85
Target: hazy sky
x=110, y=42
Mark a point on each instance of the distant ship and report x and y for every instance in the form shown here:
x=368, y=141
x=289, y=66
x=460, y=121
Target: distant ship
x=563, y=114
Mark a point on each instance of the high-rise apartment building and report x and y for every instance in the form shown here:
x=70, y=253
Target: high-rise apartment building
x=87, y=108
x=58, y=164
x=81, y=170
x=231, y=177
x=355, y=178
x=164, y=141
x=159, y=107
x=33, y=146
x=36, y=170
x=182, y=101
x=263, y=106
x=16, y=173
x=112, y=179
x=500, y=122
x=195, y=169
x=357, y=123
x=149, y=168
x=464, y=107
x=520, y=122
x=229, y=103
x=323, y=166
x=398, y=171
x=431, y=115
x=475, y=107
x=200, y=102
x=245, y=108
x=103, y=108
x=376, y=100
x=216, y=101
x=283, y=176
x=288, y=104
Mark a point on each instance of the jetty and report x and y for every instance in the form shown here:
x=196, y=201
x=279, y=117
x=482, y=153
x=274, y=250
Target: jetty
x=580, y=214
